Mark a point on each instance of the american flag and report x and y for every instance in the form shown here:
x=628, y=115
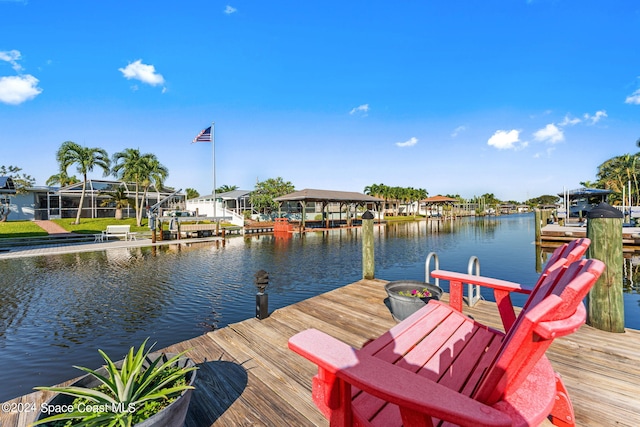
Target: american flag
x=203, y=136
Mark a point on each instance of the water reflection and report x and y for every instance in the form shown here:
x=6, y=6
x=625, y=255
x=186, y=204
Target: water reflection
x=57, y=310
x=631, y=271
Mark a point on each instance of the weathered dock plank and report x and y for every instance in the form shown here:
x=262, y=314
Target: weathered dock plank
x=249, y=377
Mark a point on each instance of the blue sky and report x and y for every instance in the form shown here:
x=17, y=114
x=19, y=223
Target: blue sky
x=517, y=98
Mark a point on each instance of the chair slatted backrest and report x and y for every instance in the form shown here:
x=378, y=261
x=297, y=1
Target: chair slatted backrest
x=562, y=257
x=559, y=312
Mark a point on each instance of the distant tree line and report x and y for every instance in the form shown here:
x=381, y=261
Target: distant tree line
x=400, y=195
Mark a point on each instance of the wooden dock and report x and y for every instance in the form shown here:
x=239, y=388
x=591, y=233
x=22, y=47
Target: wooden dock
x=248, y=376
x=558, y=234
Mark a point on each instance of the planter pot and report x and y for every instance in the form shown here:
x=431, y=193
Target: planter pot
x=402, y=306
x=173, y=415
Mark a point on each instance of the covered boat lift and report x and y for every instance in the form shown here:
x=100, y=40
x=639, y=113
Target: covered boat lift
x=326, y=197
x=580, y=201
x=437, y=203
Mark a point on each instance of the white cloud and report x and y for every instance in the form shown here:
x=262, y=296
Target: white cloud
x=458, y=130
x=569, y=121
x=596, y=117
x=12, y=57
x=410, y=143
x=550, y=133
x=505, y=140
x=229, y=10
x=143, y=72
x=361, y=109
x=634, y=98
x=15, y=90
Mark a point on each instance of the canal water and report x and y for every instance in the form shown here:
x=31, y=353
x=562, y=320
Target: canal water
x=56, y=311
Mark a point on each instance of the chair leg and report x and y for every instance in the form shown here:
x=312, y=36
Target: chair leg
x=332, y=396
x=562, y=413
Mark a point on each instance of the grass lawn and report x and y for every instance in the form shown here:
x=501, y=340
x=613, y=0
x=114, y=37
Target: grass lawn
x=20, y=229
x=97, y=225
x=87, y=226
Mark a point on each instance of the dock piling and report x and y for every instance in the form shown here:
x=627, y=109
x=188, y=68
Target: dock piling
x=605, y=304
x=368, y=262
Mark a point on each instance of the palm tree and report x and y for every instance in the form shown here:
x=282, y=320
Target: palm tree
x=226, y=188
x=192, y=193
x=397, y=194
x=118, y=198
x=86, y=159
x=379, y=190
x=615, y=173
x=589, y=184
x=415, y=195
x=126, y=167
x=143, y=170
x=372, y=190
x=153, y=173
x=62, y=178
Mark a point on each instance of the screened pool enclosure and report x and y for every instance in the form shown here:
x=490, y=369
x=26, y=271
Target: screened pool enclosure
x=101, y=199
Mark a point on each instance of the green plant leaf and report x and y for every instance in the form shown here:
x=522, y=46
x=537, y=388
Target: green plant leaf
x=132, y=370
x=146, y=384
x=104, y=380
x=89, y=393
x=94, y=420
x=113, y=372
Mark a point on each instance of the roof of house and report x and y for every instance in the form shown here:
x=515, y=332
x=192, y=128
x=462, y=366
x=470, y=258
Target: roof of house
x=6, y=185
x=311, y=195
x=229, y=195
x=440, y=199
x=588, y=192
x=104, y=185
x=235, y=194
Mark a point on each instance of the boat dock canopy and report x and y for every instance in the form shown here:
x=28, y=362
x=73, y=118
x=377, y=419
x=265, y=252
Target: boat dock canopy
x=328, y=196
x=6, y=185
x=586, y=192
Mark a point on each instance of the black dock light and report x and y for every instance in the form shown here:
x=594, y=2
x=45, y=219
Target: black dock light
x=262, y=299
x=367, y=215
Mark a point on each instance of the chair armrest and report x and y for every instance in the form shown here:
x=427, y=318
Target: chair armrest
x=480, y=280
x=501, y=290
x=393, y=384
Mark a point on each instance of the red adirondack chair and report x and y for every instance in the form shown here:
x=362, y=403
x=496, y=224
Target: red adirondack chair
x=562, y=257
x=440, y=365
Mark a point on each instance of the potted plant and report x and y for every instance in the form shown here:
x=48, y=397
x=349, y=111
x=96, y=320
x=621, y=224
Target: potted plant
x=145, y=389
x=408, y=296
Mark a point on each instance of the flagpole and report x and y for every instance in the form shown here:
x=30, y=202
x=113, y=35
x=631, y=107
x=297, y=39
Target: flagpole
x=213, y=149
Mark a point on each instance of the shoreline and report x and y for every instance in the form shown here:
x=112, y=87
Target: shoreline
x=67, y=248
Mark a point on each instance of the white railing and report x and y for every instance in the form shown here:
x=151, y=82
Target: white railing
x=205, y=207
